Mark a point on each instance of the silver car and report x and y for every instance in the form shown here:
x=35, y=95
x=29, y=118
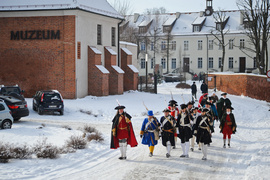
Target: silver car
x=6, y=120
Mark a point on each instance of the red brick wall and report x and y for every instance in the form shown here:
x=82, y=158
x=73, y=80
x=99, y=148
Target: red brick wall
x=130, y=77
x=116, y=79
x=39, y=64
x=248, y=85
x=98, y=82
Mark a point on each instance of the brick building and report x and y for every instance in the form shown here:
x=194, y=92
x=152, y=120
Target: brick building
x=58, y=45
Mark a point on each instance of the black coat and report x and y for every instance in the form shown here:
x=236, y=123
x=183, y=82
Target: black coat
x=193, y=89
x=204, y=88
x=203, y=135
x=221, y=106
x=185, y=132
x=165, y=135
x=223, y=120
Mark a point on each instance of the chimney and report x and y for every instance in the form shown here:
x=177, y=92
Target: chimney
x=136, y=16
x=177, y=14
x=242, y=17
x=201, y=13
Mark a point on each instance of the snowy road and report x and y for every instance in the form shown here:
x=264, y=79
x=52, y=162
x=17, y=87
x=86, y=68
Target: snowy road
x=248, y=157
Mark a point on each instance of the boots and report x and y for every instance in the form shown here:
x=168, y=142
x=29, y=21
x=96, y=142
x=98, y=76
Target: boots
x=123, y=150
x=187, y=149
x=224, y=140
x=229, y=143
x=151, y=148
x=183, y=145
x=204, y=151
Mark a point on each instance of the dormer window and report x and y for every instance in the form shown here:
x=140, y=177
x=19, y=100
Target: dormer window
x=166, y=29
x=220, y=25
x=196, y=28
x=142, y=29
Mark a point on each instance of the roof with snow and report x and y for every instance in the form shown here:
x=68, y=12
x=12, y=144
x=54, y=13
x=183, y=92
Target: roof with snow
x=184, y=24
x=101, y=7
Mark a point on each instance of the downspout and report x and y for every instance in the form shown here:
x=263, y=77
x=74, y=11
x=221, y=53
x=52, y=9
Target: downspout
x=118, y=43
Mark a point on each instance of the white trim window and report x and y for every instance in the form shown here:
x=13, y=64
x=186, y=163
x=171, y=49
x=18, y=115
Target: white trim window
x=142, y=46
x=200, y=63
x=211, y=62
x=173, y=63
x=163, y=45
x=185, y=45
x=163, y=63
x=242, y=43
x=230, y=62
x=211, y=44
x=200, y=44
x=173, y=45
x=142, y=63
x=231, y=44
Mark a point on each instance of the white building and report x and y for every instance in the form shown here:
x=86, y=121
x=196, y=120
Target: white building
x=192, y=47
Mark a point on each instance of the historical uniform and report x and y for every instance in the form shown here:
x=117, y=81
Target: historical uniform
x=174, y=113
x=227, y=125
x=211, y=116
x=149, y=126
x=195, y=115
x=203, y=132
x=222, y=103
x=184, y=128
x=168, y=123
x=122, y=132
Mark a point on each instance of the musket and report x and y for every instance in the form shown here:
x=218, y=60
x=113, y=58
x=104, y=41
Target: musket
x=183, y=98
x=171, y=95
x=118, y=102
x=145, y=106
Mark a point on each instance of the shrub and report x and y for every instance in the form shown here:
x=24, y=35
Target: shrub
x=67, y=127
x=44, y=150
x=5, y=154
x=76, y=142
x=89, y=129
x=97, y=136
x=21, y=152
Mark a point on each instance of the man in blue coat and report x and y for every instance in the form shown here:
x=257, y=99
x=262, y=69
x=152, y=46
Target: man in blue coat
x=149, y=125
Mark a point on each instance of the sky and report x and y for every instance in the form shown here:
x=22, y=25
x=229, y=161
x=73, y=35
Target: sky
x=173, y=6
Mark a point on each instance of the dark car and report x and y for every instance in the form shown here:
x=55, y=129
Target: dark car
x=48, y=101
x=17, y=107
x=14, y=91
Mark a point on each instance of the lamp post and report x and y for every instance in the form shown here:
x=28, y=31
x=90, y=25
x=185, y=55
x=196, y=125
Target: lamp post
x=146, y=70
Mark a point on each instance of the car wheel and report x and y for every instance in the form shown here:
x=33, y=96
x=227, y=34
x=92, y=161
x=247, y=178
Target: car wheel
x=40, y=112
x=6, y=124
x=17, y=119
x=62, y=112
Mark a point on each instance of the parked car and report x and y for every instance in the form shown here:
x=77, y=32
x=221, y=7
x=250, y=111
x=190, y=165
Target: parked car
x=48, y=101
x=6, y=120
x=17, y=107
x=14, y=91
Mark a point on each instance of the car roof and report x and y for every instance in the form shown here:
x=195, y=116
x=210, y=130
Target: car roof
x=49, y=91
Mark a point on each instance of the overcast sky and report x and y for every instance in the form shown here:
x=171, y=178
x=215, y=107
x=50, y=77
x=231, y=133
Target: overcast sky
x=139, y=6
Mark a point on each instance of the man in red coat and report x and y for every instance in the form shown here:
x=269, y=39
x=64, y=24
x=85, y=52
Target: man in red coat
x=122, y=132
x=174, y=113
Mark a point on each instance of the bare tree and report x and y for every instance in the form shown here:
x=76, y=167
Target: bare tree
x=219, y=33
x=123, y=7
x=256, y=14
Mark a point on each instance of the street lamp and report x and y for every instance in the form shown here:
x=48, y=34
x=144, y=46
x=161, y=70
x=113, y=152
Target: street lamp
x=146, y=69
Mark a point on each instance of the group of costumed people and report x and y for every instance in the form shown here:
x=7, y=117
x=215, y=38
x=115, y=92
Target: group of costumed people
x=189, y=123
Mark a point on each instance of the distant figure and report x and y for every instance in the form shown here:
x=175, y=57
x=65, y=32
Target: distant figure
x=194, y=91
x=222, y=103
x=195, y=77
x=204, y=87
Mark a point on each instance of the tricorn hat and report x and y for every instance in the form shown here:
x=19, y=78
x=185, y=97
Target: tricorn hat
x=183, y=106
x=119, y=107
x=166, y=110
x=208, y=103
x=205, y=110
x=223, y=94
x=150, y=113
x=173, y=103
x=190, y=103
x=230, y=107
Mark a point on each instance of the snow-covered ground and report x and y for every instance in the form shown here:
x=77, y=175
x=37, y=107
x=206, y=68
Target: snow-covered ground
x=248, y=157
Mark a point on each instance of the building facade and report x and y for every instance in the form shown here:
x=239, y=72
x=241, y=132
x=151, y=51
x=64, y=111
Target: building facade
x=189, y=42
x=45, y=45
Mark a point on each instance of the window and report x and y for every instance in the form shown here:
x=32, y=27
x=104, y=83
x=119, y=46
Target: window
x=254, y=62
x=152, y=63
x=99, y=34
x=210, y=62
x=142, y=46
x=173, y=45
x=199, y=62
x=185, y=45
x=196, y=28
x=220, y=46
x=2, y=107
x=78, y=50
x=152, y=46
x=230, y=62
x=231, y=44
x=173, y=63
x=199, y=44
x=163, y=45
x=142, y=63
x=113, y=36
x=163, y=63
x=218, y=26
x=242, y=43
x=219, y=62
x=210, y=44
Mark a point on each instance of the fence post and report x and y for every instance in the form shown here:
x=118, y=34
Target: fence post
x=155, y=83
